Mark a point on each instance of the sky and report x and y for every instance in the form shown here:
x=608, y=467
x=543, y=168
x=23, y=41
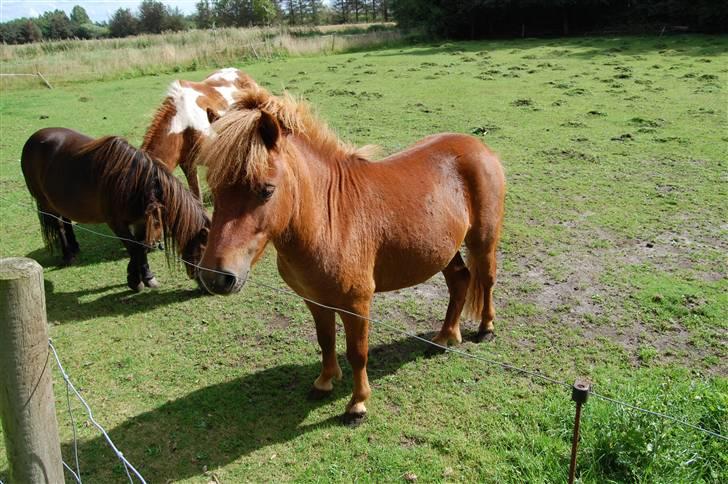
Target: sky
x=98, y=10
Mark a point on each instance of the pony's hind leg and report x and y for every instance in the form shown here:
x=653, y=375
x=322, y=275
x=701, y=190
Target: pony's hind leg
x=457, y=277
x=486, y=330
x=70, y=236
x=481, y=261
x=325, y=320
x=56, y=233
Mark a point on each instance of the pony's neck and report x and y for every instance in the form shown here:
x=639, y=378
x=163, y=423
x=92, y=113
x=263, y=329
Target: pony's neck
x=319, y=182
x=159, y=142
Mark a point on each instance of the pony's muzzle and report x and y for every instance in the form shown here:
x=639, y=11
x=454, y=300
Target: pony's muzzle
x=221, y=281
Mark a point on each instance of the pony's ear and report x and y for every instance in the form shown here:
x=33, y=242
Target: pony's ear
x=269, y=129
x=212, y=116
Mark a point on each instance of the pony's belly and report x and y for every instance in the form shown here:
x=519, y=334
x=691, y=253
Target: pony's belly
x=397, y=269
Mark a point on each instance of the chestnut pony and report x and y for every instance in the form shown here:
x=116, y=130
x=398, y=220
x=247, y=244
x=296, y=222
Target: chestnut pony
x=185, y=115
x=345, y=227
x=75, y=177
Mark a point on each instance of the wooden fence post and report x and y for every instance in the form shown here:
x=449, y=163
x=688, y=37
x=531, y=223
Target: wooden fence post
x=27, y=406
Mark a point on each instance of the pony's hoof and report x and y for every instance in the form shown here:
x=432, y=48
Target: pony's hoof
x=135, y=287
x=484, y=336
x=69, y=261
x=315, y=394
x=352, y=420
x=151, y=283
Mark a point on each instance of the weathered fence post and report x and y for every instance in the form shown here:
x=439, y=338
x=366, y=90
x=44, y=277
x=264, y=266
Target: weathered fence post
x=27, y=406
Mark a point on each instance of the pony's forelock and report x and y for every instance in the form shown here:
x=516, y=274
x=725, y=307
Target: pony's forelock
x=236, y=151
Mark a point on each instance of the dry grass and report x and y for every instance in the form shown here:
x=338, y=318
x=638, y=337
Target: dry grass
x=84, y=60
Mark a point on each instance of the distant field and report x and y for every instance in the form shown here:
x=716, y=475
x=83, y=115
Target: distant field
x=612, y=266
x=143, y=55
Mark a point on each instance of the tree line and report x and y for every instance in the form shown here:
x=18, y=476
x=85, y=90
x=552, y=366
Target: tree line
x=489, y=18
x=444, y=18
x=154, y=16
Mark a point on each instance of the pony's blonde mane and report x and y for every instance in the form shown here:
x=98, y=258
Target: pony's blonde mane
x=237, y=152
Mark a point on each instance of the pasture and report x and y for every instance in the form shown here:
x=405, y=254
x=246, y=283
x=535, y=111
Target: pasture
x=612, y=266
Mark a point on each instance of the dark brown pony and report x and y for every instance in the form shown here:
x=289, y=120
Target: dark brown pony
x=106, y=180
x=345, y=227
x=185, y=116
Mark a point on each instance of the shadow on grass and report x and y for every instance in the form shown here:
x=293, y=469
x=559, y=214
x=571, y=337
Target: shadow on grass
x=94, y=249
x=215, y=425
x=68, y=307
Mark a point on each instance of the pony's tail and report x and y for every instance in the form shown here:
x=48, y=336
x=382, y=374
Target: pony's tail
x=475, y=298
x=50, y=230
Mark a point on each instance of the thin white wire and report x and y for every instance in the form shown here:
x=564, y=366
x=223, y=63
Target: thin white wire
x=73, y=426
x=118, y=453
x=75, y=476
x=432, y=343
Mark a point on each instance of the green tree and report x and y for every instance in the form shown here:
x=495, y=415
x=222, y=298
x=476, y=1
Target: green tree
x=174, y=20
x=204, y=16
x=56, y=25
x=79, y=16
x=123, y=23
x=152, y=16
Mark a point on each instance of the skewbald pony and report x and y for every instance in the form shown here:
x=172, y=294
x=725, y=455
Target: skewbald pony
x=238, y=149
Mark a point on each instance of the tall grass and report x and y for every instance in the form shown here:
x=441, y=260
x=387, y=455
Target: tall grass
x=103, y=59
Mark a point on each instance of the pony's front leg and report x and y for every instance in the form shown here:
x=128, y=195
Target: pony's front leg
x=190, y=171
x=357, y=348
x=135, y=251
x=325, y=320
x=146, y=274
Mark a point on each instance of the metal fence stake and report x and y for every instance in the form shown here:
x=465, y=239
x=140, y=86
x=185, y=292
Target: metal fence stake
x=579, y=394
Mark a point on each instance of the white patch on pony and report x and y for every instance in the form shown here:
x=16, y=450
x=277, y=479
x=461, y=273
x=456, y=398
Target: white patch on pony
x=189, y=113
x=227, y=92
x=229, y=74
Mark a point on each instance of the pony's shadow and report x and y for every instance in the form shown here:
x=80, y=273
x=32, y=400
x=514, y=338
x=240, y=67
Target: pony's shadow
x=217, y=424
x=94, y=249
x=67, y=307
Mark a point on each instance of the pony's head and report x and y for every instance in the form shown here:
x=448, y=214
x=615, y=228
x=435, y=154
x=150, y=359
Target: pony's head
x=251, y=199
x=193, y=250
x=255, y=170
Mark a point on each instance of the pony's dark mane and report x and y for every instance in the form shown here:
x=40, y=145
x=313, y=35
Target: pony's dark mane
x=133, y=178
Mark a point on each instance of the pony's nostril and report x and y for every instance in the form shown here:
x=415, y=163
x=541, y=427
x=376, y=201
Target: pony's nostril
x=226, y=281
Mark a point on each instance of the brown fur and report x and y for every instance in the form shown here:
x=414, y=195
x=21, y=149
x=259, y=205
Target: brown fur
x=179, y=148
x=107, y=180
x=345, y=227
x=238, y=129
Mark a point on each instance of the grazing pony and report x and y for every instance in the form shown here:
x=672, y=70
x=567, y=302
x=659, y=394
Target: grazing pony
x=106, y=180
x=185, y=116
x=345, y=227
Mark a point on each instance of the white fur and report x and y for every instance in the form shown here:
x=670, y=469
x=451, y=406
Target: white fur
x=229, y=74
x=189, y=113
x=227, y=92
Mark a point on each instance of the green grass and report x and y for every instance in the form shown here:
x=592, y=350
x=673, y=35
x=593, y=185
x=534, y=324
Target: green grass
x=612, y=267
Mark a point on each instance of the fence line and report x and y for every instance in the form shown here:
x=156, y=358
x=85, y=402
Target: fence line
x=37, y=74
x=118, y=453
x=503, y=365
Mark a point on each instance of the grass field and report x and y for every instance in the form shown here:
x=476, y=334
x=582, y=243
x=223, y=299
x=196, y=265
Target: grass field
x=612, y=266
x=174, y=52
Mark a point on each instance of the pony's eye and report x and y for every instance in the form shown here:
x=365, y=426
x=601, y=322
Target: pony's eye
x=266, y=192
